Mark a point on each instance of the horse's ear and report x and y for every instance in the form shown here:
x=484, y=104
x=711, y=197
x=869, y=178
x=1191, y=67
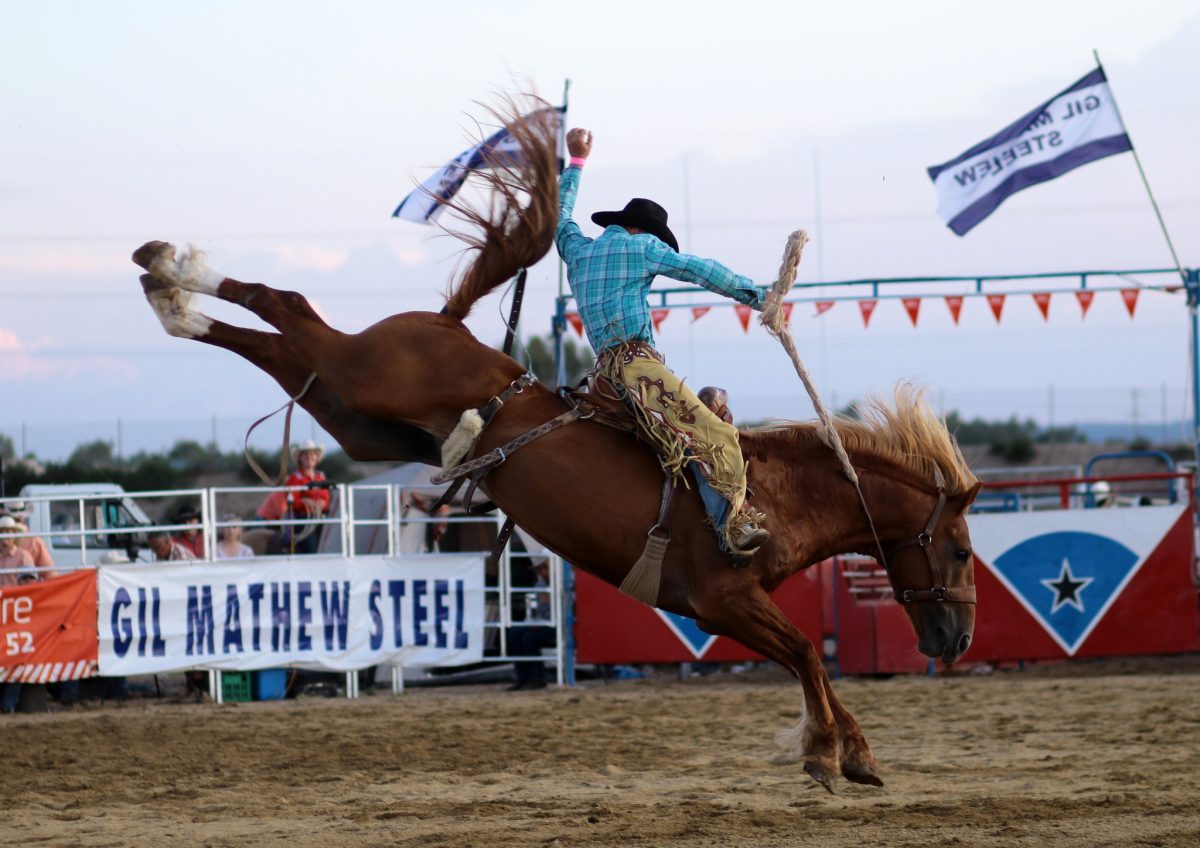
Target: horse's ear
x=969, y=498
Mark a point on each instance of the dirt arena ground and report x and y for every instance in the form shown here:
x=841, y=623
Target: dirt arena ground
x=1101, y=754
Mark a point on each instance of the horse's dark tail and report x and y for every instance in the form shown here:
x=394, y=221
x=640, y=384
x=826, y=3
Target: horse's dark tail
x=518, y=228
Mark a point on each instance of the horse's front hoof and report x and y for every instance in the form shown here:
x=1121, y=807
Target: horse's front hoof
x=858, y=773
x=822, y=774
x=152, y=250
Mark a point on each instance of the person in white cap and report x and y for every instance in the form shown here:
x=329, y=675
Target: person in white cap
x=313, y=502
x=16, y=565
x=38, y=550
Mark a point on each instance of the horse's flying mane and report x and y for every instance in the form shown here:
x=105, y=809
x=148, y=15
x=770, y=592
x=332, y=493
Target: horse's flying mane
x=906, y=433
x=517, y=229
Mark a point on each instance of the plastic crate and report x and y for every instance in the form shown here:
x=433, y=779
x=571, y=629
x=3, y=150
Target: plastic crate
x=270, y=684
x=235, y=686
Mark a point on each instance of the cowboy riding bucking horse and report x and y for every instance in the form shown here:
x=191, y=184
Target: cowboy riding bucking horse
x=610, y=277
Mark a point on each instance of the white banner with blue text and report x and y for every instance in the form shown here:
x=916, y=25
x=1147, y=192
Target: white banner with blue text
x=327, y=613
x=1076, y=126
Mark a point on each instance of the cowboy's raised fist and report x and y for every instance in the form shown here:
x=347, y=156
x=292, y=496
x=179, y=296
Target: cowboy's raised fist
x=579, y=142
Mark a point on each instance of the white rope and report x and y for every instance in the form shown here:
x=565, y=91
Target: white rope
x=773, y=319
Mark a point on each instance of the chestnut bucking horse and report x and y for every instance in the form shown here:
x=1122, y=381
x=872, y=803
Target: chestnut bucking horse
x=396, y=390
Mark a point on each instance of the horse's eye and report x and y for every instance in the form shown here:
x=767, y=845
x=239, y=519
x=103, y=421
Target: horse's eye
x=962, y=554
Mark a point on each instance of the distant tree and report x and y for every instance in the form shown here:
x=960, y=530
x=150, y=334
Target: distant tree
x=7, y=450
x=537, y=354
x=1061, y=436
x=91, y=456
x=1141, y=443
x=1015, y=449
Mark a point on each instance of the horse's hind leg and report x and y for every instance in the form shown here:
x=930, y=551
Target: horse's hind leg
x=362, y=438
x=751, y=617
x=188, y=271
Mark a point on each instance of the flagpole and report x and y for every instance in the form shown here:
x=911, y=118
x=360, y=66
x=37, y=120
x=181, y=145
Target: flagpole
x=562, y=144
x=566, y=587
x=1142, y=171
x=1189, y=281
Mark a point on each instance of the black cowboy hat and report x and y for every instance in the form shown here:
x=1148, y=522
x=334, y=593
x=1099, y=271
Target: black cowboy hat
x=643, y=214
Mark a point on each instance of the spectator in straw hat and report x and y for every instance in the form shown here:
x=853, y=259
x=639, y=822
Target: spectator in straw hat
x=38, y=550
x=16, y=565
x=311, y=503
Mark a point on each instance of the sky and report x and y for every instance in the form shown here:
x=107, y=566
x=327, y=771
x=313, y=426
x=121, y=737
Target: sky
x=278, y=137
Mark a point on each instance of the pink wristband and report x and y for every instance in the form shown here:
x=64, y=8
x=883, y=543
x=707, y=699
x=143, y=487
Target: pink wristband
x=578, y=161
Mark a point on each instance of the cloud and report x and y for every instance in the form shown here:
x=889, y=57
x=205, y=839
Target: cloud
x=310, y=257
x=22, y=361
x=63, y=261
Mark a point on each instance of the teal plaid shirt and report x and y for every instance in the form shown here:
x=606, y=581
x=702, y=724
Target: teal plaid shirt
x=610, y=276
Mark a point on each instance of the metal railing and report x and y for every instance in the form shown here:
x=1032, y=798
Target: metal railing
x=370, y=520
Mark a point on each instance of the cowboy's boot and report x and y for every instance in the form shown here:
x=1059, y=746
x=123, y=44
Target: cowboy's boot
x=745, y=536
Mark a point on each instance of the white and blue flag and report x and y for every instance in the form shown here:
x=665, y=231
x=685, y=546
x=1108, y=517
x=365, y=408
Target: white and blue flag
x=1076, y=126
x=425, y=203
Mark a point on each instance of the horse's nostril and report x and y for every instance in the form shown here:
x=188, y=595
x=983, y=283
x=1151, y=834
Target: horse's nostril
x=964, y=643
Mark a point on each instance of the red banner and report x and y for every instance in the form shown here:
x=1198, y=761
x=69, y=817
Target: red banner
x=743, y=313
x=1130, y=297
x=699, y=312
x=996, y=301
x=657, y=316
x=1042, y=299
x=576, y=322
x=1085, y=299
x=48, y=629
x=912, y=305
x=824, y=306
x=954, y=302
x=867, y=307
x=786, y=309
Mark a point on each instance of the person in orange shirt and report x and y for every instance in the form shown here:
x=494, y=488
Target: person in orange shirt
x=37, y=548
x=311, y=503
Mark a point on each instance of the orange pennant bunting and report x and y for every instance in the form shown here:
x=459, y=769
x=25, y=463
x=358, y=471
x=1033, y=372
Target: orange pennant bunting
x=912, y=305
x=743, y=313
x=1042, y=299
x=786, y=309
x=576, y=322
x=699, y=312
x=996, y=301
x=1130, y=297
x=954, y=302
x=867, y=307
x=1085, y=299
x=824, y=306
x=658, y=316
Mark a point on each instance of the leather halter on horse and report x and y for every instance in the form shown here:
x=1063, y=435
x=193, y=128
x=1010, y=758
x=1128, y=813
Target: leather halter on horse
x=938, y=590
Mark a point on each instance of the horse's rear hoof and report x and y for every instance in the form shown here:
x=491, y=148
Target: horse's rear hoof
x=861, y=774
x=150, y=251
x=151, y=283
x=821, y=775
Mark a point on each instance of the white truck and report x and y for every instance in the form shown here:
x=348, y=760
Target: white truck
x=115, y=524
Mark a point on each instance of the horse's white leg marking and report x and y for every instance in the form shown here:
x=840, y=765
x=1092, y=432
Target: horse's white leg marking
x=187, y=271
x=172, y=306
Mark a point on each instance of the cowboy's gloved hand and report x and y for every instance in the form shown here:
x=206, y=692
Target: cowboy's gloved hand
x=579, y=142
